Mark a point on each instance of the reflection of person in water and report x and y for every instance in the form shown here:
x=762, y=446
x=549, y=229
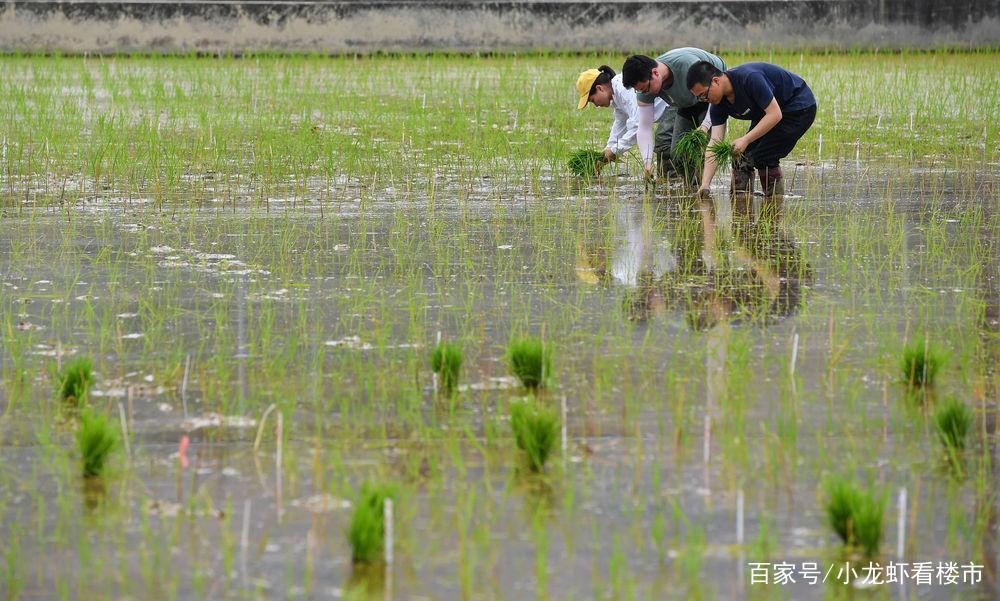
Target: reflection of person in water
x=756, y=275
x=664, y=256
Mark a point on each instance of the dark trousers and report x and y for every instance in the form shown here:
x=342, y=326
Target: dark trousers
x=778, y=143
x=672, y=125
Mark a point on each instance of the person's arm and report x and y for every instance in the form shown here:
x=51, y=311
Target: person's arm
x=718, y=134
x=624, y=118
x=772, y=115
x=631, y=124
x=644, y=135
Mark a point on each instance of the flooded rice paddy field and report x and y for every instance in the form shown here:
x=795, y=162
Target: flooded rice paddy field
x=238, y=241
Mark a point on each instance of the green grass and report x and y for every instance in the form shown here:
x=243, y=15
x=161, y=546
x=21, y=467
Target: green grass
x=954, y=420
x=96, y=440
x=536, y=431
x=446, y=361
x=75, y=380
x=855, y=515
x=920, y=363
x=366, y=534
x=531, y=361
x=583, y=163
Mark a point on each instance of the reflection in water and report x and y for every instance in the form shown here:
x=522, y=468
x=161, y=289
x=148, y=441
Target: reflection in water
x=709, y=261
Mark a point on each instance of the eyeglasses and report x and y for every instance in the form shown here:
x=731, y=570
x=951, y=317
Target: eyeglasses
x=703, y=97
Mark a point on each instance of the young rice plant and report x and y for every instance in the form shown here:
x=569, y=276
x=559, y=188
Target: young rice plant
x=447, y=363
x=97, y=438
x=367, y=530
x=531, y=361
x=536, y=431
x=855, y=515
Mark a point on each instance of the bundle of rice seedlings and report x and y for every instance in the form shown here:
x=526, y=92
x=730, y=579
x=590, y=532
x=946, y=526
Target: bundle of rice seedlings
x=954, y=420
x=536, y=431
x=724, y=153
x=97, y=438
x=367, y=531
x=689, y=152
x=855, y=515
x=447, y=363
x=530, y=360
x=920, y=363
x=75, y=380
x=583, y=163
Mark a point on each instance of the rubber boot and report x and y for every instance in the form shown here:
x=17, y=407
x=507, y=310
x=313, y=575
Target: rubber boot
x=742, y=183
x=771, y=181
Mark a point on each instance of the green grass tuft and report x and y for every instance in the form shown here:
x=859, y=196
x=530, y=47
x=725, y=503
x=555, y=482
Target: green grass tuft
x=447, y=363
x=920, y=363
x=97, y=438
x=954, y=420
x=367, y=530
x=531, y=361
x=75, y=380
x=583, y=163
x=855, y=515
x=536, y=430
x=724, y=152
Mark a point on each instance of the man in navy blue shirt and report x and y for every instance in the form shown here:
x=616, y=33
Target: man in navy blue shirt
x=778, y=104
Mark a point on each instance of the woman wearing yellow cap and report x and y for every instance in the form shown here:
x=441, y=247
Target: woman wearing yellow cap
x=602, y=87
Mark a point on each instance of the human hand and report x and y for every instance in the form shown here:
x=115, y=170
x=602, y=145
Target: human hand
x=704, y=193
x=740, y=145
x=609, y=155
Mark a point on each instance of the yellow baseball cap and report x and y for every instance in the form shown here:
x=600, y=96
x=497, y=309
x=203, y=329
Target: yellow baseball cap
x=583, y=85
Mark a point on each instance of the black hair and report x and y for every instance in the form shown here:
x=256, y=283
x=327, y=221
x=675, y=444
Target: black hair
x=701, y=73
x=607, y=74
x=637, y=68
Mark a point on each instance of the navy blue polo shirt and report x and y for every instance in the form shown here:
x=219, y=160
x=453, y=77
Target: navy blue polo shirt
x=754, y=86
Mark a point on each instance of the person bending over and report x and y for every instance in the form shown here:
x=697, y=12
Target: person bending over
x=778, y=104
x=603, y=88
x=666, y=77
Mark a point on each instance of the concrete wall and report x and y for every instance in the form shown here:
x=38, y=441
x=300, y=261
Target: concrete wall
x=356, y=26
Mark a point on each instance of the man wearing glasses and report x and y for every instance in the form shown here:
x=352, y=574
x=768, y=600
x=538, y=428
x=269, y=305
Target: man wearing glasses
x=778, y=104
x=666, y=78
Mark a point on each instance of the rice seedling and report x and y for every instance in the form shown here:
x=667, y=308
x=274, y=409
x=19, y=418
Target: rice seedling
x=724, y=153
x=854, y=514
x=689, y=152
x=367, y=530
x=531, y=361
x=75, y=380
x=96, y=439
x=954, y=420
x=446, y=361
x=583, y=163
x=536, y=431
x=920, y=363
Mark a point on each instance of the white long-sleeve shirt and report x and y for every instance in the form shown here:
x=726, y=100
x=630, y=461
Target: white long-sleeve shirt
x=626, y=123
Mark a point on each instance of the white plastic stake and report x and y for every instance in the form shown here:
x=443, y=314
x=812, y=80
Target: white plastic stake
x=565, y=443
x=739, y=517
x=387, y=521
x=121, y=416
x=820, y=153
x=184, y=384
x=706, y=449
x=277, y=465
x=901, y=524
x=245, y=537
x=795, y=355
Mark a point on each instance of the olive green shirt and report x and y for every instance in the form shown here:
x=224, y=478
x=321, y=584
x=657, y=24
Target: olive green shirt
x=679, y=60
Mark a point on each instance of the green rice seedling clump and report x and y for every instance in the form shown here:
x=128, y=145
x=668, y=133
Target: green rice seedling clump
x=954, y=420
x=724, y=153
x=75, y=379
x=536, y=430
x=447, y=363
x=689, y=151
x=97, y=438
x=920, y=363
x=530, y=360
x=584, y=162
x=367, y=531
x=855, y=515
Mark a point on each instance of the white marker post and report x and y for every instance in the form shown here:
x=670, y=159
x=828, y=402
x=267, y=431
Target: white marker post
x=277, y=465
x=245, y=539
x=121, y=416
x=565, y=442
x=387, y=522
x=901, y=524
x=184, y=384
x=739, y=517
